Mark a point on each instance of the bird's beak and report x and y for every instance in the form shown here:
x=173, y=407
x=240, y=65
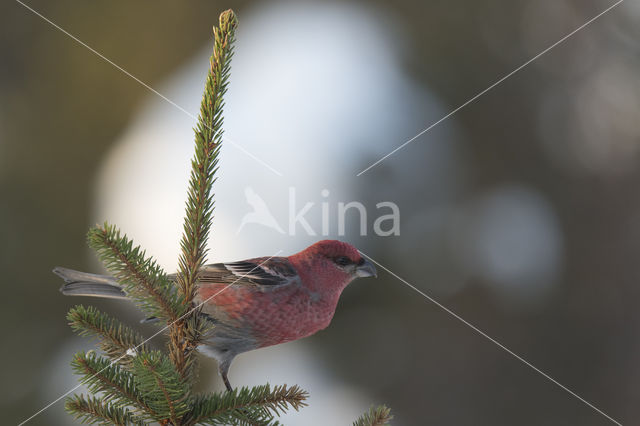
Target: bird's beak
x=366, y=269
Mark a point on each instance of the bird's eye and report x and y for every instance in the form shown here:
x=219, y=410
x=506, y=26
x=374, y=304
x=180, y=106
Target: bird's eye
x=342, y=260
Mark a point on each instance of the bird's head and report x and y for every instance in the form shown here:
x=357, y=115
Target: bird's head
x=332, y=262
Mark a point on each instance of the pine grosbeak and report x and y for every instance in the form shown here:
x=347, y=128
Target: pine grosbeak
x=257, y=302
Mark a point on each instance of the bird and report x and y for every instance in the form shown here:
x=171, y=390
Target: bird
x=257, y=302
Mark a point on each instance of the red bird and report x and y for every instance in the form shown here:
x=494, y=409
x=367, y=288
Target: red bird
x=257, y=302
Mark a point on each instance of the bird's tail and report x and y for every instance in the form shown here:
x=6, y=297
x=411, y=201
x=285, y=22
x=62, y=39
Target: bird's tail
x=85, y=284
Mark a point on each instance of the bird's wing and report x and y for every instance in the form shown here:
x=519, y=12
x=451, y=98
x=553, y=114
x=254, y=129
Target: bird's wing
x=261, y=271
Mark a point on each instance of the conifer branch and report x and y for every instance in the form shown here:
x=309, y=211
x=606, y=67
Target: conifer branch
x=143, y=280
x=165, y=391
x=199, y=208
x=116, y=385
x=260, y=403
x=376, y=416
x=94, y=410
x=115, y=338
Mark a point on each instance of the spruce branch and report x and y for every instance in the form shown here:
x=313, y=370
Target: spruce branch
x=258, y=404
x=240, y=417
x=142, y=278
x=199, y=207
x=376, y=416
x=116, y=339
x=116, y=385
x=164, y=389
x=94, y=410
x=208, y=138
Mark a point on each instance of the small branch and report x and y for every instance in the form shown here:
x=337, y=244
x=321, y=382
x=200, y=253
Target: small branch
x=115, y=338
x=260, y=402
x=94, y=410
x=158, y=380
x=143, y=279
x=162, y=387
x=376, y=416
x=103, y=376
x=199, y=208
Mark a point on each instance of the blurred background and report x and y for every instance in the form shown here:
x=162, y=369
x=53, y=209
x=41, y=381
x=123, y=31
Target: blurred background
x=520, y=212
